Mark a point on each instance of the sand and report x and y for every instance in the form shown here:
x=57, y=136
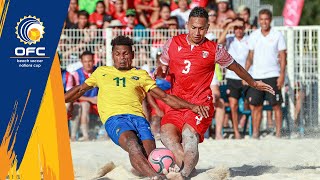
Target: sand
x=248, y=159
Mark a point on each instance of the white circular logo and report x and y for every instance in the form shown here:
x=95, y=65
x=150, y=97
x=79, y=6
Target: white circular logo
x=29, y=30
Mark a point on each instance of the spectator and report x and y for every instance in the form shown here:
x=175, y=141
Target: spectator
x=83, y=20
x=110, y=5
x=148, y=11
x=265, y=45
x=131, y=19
x=213, y=26
x=219, y=106
x=87, y=100
x=182, y=13
x=238, y=48
x=158, y=108
x=83, y=36
x=173, y=26
x=224, y=13
x=72, y=17
x=88, y=5
x=198, y=3
x=99, y=16
x=119, y=13
x=164, y=17
x=68, y=83
x=244, y=13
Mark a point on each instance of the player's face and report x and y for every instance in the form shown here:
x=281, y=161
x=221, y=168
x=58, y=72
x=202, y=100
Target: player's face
x=212, y=16
x=183, y=4
x=122, y=57
x=82, y=21
x=222, y=6
x=265, y=21
x=244, y=15
x=239, y=31
x=87, y=63
x=198, y=27
x=100, y=8
x=165, y=13
x=73, y=5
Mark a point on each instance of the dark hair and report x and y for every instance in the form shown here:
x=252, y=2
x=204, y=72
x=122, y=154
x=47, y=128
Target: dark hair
x=239, y=19
x=248, y=10
x=266, y=11
x=163, y=5
x=104, y=6
x=199, y=12
x=83, y=13
x=173, y=18
x=86, y=53
x=122, y=40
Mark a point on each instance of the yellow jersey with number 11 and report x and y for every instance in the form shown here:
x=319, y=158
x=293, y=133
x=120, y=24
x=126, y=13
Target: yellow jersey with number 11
x=120, y=92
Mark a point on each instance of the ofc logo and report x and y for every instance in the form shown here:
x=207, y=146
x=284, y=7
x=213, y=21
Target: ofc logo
x=29, y=30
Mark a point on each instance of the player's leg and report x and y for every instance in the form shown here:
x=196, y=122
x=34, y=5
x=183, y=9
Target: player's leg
x=234, y=93
x=219, y=109
x=234, y=116
x=170, y=133
x=171, y=139
x=256, y=113
x=76, y=115
x=84, y=120
x=219, y=116
x=255, y=99
x=129, y=142
x=155, y=126
x=193, y=134
x=275, y=101
x=190, y=141
x=122, y=131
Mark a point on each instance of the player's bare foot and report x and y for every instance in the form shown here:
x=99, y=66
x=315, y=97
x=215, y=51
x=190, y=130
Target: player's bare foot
x=255, y=135
x=157, y=178
x=73, y=139
x=83, y=139
x=172, y=174
x=219, y=137
x=105, y=169
x=237, y=135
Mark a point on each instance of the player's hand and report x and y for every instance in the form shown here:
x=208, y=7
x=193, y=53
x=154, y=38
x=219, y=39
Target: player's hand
x=201, y=110
x=280, y=81
x=244, y=83
x=263, y=87
x=237, y=23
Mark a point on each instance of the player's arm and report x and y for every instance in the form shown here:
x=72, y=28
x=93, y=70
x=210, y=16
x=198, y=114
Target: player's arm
x=154, y=105
x=283, y=63
x=76, y=92
x=249, y=60
x=178, y=103
x=222, y=38
x=162, y=68
x=243, y=74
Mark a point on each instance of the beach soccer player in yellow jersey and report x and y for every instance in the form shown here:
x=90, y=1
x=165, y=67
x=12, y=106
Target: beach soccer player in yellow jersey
x=121, y=91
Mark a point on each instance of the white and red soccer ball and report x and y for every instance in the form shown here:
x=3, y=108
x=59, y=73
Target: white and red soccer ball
x=161, y=158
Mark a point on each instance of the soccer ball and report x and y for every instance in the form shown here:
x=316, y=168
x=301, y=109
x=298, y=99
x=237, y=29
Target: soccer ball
x=161, y=158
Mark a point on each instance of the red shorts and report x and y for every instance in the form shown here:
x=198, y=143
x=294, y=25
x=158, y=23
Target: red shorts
x=185, y=116
x=162, y=106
